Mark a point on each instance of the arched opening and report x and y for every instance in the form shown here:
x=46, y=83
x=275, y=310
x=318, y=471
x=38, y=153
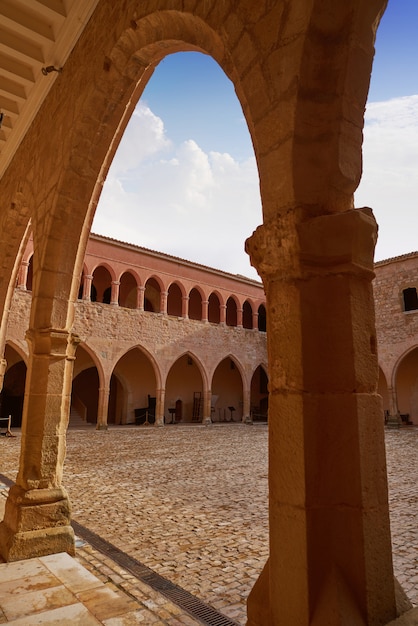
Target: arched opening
x=13, y=392
x=133, y=389
x=84, y=398
x=184, y=392
x=128, y=291
x=101, y=285
x=195, y=305
x=247, y=315
x=407, y=387
x=227, y=392
x=231, y=312
x=174, y=300
x=214, y=309
x=262, y=318
x=259, y=395
x=85, y=390
x=152, y=296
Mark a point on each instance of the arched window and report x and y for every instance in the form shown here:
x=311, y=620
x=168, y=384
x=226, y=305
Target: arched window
x=127, y=291
x=262, y=318
x=174, y=300
x=231, y=312
x=152, y=296
x=102, y=285
x=247, y=315
x=195, y=305
x=214, y=309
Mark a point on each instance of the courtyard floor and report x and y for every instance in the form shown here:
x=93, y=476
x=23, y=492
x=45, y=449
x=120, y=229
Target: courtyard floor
x=190, y=503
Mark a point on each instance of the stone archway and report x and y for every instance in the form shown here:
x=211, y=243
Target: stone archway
x=227, y=388
x=133, y=393
x=184, y=391
x=407, y=387
x=13, y=391
x=301, y=73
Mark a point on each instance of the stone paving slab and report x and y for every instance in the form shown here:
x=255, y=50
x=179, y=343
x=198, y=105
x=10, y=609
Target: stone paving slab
x=190, y=502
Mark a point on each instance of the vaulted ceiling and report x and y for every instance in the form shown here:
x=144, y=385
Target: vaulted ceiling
x=35, y=36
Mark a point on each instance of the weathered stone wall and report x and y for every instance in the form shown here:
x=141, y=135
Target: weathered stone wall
x=397, y=330
x=111, y=331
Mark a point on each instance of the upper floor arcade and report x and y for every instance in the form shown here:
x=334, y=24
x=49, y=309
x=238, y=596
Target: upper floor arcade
x=129, y=276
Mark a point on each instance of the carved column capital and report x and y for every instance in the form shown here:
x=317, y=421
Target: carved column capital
x=58, y=343
x=290, y=247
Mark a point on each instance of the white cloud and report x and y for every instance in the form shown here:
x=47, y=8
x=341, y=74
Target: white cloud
x=179, y=199
x=390, y=173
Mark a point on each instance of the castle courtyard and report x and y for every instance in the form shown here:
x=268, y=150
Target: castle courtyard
x=190, y=503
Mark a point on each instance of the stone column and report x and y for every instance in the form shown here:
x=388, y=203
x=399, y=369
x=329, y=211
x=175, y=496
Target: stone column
x=163, y=302
x=159, y=407
x=185, y=307
x=330, y=548
x=222, y=314
x=239, y=318
x=37, y=514
x=140, y=297
x=114, y=296
x=246, y=406
x=205, y=310
x=102, y=408
x=255, y=320
x=394, y=419
x=88, y=279
x=23, y=275
x=207, y=406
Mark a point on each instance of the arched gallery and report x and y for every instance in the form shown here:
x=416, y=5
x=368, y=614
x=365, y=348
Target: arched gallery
x=73, y=74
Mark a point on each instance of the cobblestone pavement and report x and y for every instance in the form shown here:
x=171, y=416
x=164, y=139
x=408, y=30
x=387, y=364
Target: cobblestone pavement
x=190, y=502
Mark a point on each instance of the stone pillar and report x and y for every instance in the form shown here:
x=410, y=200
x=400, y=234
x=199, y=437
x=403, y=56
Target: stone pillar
x=205, y=310
x=239, y=318
x=37, y=514
x=163, y=302
x=102, y=408
x=185, y=307
x=394, y=418
x=140, y=297
x=159, y=407
x=246, y=406
x=207, y=407
x=88, y=279
x=255, y=320
x=114, y=295
x=23, y=275
x=330, y=548
x=222, y=314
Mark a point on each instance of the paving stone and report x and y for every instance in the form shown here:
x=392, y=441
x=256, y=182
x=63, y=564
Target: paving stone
x=191, y=503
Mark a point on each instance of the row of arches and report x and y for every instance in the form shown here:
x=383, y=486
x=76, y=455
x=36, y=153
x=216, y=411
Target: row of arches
x=131, y=392
x=102, y=286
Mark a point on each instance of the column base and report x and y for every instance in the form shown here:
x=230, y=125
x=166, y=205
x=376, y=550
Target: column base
x=393, y=421
x=206, y=421
x=36, y=523
x=101, y=427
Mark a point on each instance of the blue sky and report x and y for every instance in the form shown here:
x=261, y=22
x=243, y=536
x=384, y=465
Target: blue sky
x=184, y=180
